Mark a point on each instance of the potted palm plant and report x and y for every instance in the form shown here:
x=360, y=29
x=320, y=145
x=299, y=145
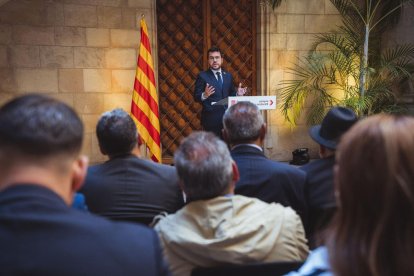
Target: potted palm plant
x=355, y=71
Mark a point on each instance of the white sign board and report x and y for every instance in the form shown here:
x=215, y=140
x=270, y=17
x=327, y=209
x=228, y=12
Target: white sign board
x=263, y=102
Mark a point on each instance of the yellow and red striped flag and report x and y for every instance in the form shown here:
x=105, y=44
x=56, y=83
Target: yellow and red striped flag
x=144, y=106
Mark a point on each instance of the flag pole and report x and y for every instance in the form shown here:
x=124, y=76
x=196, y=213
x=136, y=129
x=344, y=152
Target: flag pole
x=144, y=106
x=144, y=150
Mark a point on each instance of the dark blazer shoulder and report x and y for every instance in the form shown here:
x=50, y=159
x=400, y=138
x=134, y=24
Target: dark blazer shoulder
x=206, y=77
x=89, y=242
x=246, y=150
x=318, y=164
x=162, y=168
x=249, y=152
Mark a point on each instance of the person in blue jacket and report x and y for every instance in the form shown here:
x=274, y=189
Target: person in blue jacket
x=212, y=86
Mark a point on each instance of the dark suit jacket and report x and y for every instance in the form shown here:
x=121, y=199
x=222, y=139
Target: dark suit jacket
x=319, y=187
x=41, y=235
x=130, y=188
x=212, y=115
x=319, y=195
x=269, y=180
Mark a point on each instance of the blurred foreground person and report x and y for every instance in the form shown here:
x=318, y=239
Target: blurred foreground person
x=372, y=231
x=217, y=227
x=40, y=170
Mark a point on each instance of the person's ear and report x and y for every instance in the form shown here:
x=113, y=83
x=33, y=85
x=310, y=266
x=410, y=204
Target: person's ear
x=181, y=185
x=225, y=136
x=236, y=176
x=101, y=149
x=140, y=142
x=263, y=131
x=79, y=170
x=322, y=151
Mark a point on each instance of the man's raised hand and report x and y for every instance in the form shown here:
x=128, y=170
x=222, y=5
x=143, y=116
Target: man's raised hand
x=241, y=90
x=208, y=91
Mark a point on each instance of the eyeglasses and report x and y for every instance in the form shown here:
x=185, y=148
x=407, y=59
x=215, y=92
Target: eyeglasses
x=214, y=58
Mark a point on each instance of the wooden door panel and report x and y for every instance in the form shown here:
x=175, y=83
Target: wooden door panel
x=185, y=30
x=233, y=30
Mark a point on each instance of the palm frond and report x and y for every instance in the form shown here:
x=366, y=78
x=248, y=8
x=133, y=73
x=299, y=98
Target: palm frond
x=337, y=40
x=347, y=9
x=314, y=70
x=321, y=100
x=390, y=12
x=398, y=62
x=404, y=51
x=276, y=3
x=293, y=97
x=358, y=104
x=353, y=36
x=394, y=109
x=344, y=63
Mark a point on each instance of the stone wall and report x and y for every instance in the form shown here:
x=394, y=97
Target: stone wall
x=83, y=52
x=286, y=34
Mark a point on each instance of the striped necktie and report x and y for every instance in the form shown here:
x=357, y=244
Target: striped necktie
x=220, y=80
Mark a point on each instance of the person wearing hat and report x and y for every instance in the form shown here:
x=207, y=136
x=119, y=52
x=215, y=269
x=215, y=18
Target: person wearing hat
x=319, y=187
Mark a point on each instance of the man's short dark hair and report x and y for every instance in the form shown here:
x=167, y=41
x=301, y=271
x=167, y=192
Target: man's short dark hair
x=38, y=126
x=204, y=165
x=214, y=49
x=117, y=133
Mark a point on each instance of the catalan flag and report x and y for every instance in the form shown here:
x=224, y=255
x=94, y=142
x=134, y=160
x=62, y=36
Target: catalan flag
x=144, y=107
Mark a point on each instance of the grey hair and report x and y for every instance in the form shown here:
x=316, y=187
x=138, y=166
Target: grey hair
x=242, y=122
x=204, y=165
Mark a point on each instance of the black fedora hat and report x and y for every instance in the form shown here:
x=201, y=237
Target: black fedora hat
x=335, y=123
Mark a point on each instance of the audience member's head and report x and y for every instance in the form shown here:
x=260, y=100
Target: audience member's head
x=335, y=123
x=39, y=135
x=243, y=123
x=117, y=133
x=205, y=167
x=373, y=230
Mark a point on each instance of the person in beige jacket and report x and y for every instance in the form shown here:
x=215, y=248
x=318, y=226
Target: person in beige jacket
x=217, y=227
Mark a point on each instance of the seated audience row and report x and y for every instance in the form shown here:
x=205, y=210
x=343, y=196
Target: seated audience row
x=127, y=187
x=41, y=168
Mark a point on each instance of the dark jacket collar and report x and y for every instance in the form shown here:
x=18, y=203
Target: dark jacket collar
x=27, y=192
x=123, y=156
x=245, y=148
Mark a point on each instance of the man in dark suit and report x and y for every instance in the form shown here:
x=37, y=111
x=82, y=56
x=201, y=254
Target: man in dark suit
x=40, y=170
x=260, y=177
x=212, y=86
x=319, y=187
x=127, y=187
